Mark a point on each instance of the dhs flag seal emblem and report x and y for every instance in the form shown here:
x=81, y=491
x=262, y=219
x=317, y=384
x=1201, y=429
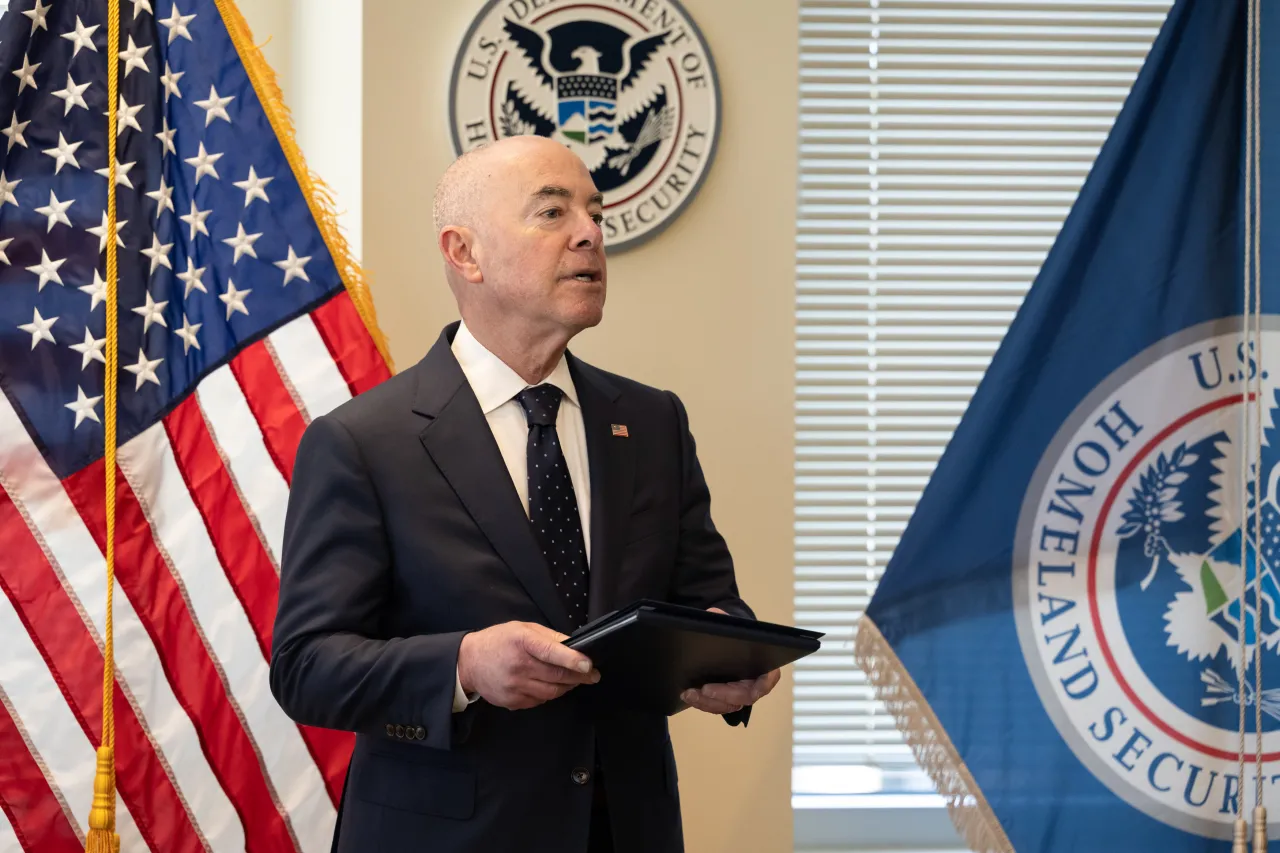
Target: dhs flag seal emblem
x=1079, y=631
x=629, y=86
x=1136, y=535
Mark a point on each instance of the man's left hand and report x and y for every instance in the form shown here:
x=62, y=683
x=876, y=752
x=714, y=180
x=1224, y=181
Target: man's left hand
x=733, y=696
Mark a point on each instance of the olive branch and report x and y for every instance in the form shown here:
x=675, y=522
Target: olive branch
x=1155, y=503
x=512, y=124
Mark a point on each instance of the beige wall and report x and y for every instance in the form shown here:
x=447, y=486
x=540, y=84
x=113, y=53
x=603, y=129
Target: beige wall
x=704, y=309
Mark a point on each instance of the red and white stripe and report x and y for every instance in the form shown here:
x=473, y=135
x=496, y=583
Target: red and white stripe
x=206, y=760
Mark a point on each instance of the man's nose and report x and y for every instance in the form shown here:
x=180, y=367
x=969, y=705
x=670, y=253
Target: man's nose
x=589, y=235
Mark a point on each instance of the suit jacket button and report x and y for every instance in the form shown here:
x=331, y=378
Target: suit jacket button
x=391, y=730
x=400, y=732
x=580, y=776
x=421, y=733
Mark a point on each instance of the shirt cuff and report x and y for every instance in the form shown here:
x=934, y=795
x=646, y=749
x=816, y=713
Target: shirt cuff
x=460, y=699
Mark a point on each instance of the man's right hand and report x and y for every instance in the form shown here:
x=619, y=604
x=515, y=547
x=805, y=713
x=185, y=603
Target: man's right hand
x=518, y=665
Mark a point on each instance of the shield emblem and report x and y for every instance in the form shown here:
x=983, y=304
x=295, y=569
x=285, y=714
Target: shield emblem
x=587, y=120
x=1223, y=609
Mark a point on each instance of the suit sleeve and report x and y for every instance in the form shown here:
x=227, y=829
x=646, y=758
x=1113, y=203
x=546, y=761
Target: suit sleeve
x=704, y=575
x=330, y=665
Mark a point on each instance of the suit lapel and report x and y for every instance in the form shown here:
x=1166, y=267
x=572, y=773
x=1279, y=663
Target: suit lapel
x=461, y=444
x=612, y=463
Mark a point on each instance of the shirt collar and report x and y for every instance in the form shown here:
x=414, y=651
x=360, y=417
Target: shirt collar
x=493, y=381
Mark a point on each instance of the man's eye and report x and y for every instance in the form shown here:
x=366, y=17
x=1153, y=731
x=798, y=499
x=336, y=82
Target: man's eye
x=551, y=213
x=597, y=218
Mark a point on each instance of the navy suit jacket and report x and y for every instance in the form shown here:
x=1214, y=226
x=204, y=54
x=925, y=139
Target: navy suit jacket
x=404, y=532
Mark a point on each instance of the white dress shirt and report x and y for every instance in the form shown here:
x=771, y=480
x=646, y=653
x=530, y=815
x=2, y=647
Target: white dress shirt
x=495, y=385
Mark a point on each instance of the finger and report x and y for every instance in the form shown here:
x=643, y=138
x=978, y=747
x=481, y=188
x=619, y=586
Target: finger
x=765, y=683
x=716, y=610
x=539, y=671
x=744, y=683
x=514, y=700
x=540, y=691
x=547, y=633
x=549, y=650
x=733, y=694
x=712, y=706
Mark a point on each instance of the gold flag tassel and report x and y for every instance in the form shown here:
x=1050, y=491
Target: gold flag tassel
x=1240, y=836
x=318, y=194
x=102, y=837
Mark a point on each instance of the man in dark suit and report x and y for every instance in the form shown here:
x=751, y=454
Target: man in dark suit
x=449, y=528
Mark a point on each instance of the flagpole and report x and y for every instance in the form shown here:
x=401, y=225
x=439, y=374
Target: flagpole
x=1251, y=447
x=102, y=837
x=1254, y=196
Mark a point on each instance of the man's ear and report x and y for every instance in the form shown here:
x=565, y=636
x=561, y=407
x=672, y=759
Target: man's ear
x=458, y=245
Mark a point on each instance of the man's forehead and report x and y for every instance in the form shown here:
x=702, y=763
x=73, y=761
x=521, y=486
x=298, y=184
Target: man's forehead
x=557, y=180
x=588, y=192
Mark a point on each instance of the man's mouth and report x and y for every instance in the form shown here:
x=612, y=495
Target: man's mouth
x=588, y=276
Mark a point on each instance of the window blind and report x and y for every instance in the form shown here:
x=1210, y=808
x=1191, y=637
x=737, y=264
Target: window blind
x=942, y=143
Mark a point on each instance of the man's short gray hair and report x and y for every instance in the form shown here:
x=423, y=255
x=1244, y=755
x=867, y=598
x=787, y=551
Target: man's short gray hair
x=455, y=191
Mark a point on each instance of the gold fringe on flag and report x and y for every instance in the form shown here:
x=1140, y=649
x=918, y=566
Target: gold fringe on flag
x=937, y=756
x=319, y=196
x=102, y=836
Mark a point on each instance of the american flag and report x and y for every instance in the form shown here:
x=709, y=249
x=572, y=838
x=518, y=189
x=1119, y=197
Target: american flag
x=235, y=329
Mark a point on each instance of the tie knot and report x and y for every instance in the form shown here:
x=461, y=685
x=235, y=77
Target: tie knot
x=540, y=404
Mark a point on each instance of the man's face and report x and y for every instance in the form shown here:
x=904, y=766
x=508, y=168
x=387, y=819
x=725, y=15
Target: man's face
x=540, y=250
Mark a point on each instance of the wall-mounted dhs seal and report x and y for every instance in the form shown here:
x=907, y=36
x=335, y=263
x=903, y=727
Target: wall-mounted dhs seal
x=627, y=85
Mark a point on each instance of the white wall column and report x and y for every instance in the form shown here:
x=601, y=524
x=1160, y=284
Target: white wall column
x=326, y=87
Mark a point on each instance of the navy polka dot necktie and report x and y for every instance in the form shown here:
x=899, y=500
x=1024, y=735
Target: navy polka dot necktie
x=553, y=506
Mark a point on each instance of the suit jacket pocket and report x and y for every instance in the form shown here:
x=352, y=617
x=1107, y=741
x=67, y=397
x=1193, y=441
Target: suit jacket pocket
x=412, y=786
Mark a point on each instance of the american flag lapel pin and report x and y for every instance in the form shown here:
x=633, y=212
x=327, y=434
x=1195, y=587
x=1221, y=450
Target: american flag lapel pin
x=619, y=430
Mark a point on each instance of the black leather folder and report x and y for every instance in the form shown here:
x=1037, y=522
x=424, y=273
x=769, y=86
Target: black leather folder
x=650, y=652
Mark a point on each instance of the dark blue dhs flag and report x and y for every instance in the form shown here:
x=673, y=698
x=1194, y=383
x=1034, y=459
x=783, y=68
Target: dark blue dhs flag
x=1059, y=632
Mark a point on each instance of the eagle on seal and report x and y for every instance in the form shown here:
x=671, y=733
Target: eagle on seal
x=588, y=104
